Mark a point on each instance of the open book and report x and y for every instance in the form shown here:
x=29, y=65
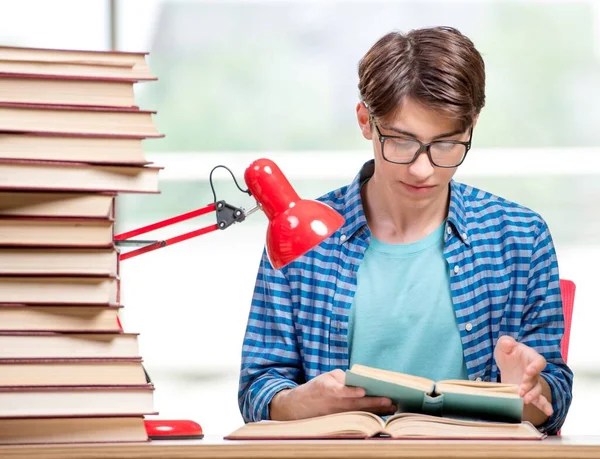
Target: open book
x=469, y=399
x=360, y=424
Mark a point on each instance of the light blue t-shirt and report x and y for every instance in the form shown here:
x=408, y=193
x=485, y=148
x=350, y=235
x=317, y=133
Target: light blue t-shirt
x=402, y=318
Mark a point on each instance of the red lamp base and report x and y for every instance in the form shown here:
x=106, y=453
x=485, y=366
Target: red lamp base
x=173, y=429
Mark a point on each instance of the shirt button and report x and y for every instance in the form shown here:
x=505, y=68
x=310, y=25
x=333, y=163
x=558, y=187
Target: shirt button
x=448, y=230
x=464, y=236
x=456, y=269
x=478, y=379
x=469, y=327
x=343, y=237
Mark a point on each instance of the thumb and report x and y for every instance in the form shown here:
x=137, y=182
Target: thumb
x=505, y=345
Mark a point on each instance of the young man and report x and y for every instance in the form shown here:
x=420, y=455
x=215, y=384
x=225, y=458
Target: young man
x=427, y=276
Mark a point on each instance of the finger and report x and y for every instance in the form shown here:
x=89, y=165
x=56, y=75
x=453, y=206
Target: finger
x=533, y=394
x=333, y=384
x=382, y=411
x=542, y=404
x=536, y=366
x=367, y=403
x=338, y=375
x=506, y=344
x=527, y=384
x=531, y=376
x=349, y=392
x=337, y=385
x=377, y=409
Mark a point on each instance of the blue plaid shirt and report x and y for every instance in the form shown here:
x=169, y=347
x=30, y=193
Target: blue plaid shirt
x=504, y=281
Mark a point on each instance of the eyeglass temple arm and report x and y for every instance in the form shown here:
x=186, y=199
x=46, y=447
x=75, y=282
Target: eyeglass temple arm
x=227, y=215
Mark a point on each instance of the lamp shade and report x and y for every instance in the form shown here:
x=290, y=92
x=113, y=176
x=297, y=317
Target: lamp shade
x=295, y=225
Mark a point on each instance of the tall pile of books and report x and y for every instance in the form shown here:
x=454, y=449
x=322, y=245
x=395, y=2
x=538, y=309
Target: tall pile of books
x=70, y=140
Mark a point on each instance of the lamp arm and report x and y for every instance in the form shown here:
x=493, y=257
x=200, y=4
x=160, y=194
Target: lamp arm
x=227, y=215
x=166, y=222
x=253, y=209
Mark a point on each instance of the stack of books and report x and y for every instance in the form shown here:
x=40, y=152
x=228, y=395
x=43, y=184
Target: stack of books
x=70, y=140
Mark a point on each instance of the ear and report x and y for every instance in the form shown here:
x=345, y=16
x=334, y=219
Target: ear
x=364, y=121
x=475, y=120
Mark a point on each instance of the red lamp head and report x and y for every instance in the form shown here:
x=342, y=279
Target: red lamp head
x=295, y=225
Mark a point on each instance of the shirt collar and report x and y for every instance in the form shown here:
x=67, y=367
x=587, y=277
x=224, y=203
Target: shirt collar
x=355, y=215
x=354, y=212
x=457, y=211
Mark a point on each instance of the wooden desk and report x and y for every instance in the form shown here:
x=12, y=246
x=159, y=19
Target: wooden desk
x=565, y=447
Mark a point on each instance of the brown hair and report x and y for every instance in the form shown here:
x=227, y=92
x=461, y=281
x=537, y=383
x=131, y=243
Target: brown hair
x=438, y=67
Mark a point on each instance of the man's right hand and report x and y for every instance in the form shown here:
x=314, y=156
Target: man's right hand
x=325, y=394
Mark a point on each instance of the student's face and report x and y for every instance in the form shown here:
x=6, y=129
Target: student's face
x=420, y=183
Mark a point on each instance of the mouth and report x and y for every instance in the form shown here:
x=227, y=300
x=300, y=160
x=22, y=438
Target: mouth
x=419, y=189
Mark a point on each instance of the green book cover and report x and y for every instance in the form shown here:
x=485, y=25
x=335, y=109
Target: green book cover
x=490, y=408
x=485, y=407
x=406, y=398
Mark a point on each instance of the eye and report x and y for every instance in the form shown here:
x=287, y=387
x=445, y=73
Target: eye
x=403, y=143
x=446, y=146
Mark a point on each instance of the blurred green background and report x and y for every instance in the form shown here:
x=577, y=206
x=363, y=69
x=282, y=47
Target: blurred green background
x=280, y=76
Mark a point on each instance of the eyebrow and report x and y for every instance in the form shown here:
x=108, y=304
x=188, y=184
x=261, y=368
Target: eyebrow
x=414, y=136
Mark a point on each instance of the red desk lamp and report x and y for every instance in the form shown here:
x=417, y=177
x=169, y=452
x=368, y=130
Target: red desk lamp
x=295, y=227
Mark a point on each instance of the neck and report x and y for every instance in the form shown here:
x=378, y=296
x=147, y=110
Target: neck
x=397, y=222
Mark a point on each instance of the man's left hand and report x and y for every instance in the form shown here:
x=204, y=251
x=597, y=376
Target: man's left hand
x=522, y=365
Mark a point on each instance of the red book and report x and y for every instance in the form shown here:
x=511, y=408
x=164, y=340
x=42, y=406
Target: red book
x=40, y=344
x=59, y=318
x=42, y=401
x=63, y=290
x=70, y=176
x=40, y=231
x=40, y=89
x=58, y=204
x=77, y=119
x=74, y=63
x=71, y=372
x=74, y=147
x=43, y=261
x=98, y=429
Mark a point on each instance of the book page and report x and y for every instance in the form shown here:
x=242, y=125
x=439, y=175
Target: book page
x=415, y=382
x=419, y=425
x=354, y=423
x=478, y=388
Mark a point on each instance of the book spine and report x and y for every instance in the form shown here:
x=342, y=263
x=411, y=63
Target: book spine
x=433, y=405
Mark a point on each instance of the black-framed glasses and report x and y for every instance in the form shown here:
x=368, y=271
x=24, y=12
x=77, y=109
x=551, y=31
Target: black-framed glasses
x=406, y=150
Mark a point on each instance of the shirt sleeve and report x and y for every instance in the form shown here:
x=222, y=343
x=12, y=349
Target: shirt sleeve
x=543, y=326
x=270, y=358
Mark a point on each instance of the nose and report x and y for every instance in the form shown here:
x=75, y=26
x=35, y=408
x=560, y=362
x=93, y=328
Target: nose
x=422, y=168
